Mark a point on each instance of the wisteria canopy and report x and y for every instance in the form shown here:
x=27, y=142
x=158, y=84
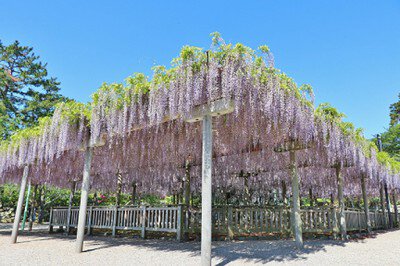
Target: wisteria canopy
x=146, y=138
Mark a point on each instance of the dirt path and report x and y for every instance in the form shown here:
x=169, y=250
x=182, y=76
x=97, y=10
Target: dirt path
x=39, y=248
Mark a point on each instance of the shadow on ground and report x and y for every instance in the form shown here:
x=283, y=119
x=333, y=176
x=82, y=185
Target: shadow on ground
x=257, y=251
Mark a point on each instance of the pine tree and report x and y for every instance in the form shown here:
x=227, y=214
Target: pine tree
x=27, y=92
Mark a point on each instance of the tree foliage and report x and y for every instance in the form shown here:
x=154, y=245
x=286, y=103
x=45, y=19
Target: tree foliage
x=26, y=91
x=395, y=113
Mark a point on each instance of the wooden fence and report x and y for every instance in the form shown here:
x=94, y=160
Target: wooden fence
x=143, y=218
x=227, y=221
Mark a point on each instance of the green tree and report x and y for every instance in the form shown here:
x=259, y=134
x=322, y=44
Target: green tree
x=395, y=113
x=391, y=141
x=26, y=91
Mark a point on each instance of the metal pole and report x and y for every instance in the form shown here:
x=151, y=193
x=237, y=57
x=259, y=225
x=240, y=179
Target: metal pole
x=17, y=218
x=366, y=203
x=296, y=224
x=26, y=207
x=84, y=197
x=206, y=192
x=342, y=216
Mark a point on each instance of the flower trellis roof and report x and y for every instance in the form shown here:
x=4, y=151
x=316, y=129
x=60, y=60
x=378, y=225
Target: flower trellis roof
x=144, y=134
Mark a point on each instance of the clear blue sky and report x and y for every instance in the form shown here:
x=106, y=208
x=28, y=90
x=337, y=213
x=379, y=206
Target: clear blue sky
x=349, y=51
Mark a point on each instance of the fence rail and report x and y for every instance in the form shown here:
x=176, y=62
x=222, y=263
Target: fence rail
x=226, y=220
x=161, y=219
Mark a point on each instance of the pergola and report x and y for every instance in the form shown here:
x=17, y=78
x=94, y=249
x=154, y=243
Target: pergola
x=230, y=104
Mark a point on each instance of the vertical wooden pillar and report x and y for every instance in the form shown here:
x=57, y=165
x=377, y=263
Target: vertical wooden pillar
x=366, y=203
x=33, y=208
x=71, y=197
x=84, y=200
x=133, y=197
x=187, y=199
x=296, y=221
x=335, y=228
x=342, y=216
x=119, y=189
x=383, y=206
x=206, y=192
x=17, y=218
x=89, y=225
x=143, y=234
x=51, y=221
x=179, y=223
x=310, y=194
x=26, y=207
x=114, y=224
x=396, y=211
x=284, y=191
x=387, y=198
x=230, y=228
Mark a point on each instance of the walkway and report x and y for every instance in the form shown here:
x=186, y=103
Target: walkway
x=41, y=249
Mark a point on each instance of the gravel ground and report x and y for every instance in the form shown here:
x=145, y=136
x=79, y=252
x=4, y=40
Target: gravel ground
x=40, y=248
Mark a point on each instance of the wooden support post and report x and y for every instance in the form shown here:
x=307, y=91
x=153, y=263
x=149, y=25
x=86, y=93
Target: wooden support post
x=51, y=221
x=206, y=192
x=119, y=189
x=114, y=224
x=71, y=197
x=296, y=221
x=33, y=208
x=26, y=207
x=342, y=216
x=187, y=199
x=84, y=200
x=366, y=203
x=17, y=218
x=143, y=235
x=396, y=211
x=133, y=197
x=284, y=191
x=230, y=229
x=383, y=206
x=89, y=225
x=335, y=228
x=310, y=194
x=205, y=113
x=179, y=225
x=388, y=205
